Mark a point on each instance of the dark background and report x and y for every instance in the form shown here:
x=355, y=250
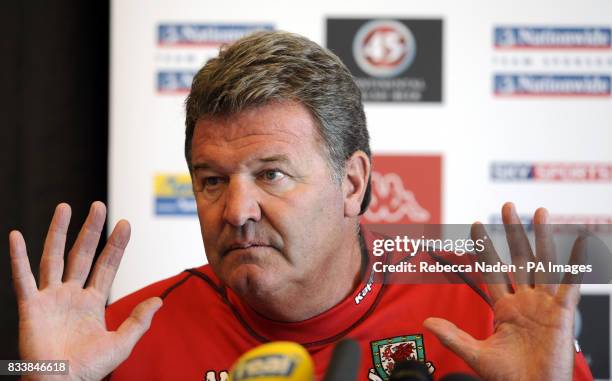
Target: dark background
x=54, y=68
x=595, y=332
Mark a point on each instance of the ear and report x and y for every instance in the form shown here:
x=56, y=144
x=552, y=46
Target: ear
x=357, y=172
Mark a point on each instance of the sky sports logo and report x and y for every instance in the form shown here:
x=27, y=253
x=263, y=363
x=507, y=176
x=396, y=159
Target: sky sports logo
x=552, y=172
x=509, y=85
x=507, y=37
x=212, y=35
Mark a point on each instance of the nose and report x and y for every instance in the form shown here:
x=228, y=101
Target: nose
x=241, y=203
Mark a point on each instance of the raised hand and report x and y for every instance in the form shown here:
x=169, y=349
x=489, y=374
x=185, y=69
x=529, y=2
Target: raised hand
x=533, y=337
x=62, y=320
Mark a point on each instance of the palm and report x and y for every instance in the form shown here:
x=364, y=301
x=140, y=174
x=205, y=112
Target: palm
x=59, y=323
x=533, y=334
x=63, y=320
x=539, y=331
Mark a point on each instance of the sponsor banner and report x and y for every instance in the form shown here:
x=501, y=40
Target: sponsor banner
x=392, y=60
x=551, y=172
x=174, y=82
x=202, y=35
x=598, y=223
x=405, y=189
x=551, y=61
x=174, y=195
x=193, y=45
x=551, y=85
x=531, y=37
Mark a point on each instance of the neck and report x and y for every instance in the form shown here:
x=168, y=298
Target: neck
x=336, y=280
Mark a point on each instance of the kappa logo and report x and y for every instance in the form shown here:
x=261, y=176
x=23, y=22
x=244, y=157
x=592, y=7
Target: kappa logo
x=391, y=201
x=388, y=352
x=365, y=290
x=384, y=48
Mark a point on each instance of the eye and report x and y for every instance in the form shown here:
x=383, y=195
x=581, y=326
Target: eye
x=211, y=182
x=272, y=175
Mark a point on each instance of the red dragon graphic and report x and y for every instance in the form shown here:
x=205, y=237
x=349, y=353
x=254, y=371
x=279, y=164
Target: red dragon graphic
x=397, y=353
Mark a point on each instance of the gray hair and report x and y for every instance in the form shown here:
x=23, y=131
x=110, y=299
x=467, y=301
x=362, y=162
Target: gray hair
x=267, y=67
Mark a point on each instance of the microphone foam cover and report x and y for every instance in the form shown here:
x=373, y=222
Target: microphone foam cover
x=276, y=361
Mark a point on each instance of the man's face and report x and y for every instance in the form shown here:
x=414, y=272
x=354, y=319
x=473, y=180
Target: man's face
x=271, y=215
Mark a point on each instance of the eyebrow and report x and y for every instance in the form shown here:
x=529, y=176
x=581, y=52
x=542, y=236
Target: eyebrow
x=275, y=158
x=269, y=159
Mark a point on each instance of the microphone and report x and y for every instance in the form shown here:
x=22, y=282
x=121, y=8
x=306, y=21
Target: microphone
x=344, y=363
x=411, y=370
x=458, y=377
x=276, y=361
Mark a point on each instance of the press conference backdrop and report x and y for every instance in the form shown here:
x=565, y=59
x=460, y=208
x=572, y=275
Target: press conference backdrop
x=469, y=104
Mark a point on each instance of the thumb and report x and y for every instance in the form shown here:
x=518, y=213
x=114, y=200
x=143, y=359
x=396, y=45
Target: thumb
x=455, y=339
x=132, y=329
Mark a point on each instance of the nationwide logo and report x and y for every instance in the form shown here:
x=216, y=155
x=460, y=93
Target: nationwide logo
x=384, y=48
x=551, y=85
x=212, y=35
x=405, y=189
x=552, y=172
x=508, y=37
x=174, y=195
x=174, y=82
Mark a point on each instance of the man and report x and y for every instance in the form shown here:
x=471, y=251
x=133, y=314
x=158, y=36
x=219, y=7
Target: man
x=278, y=152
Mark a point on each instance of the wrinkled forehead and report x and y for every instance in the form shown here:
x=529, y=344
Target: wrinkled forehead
x=279, y=128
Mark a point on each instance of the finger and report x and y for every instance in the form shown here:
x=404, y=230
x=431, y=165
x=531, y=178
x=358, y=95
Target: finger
x=82, y=253
x=569, y=291
x=455, y=339
x=545, y=252
x=106, y=266
x=52, y=261
x=520, y=249
x=23, y=279
x=498, y=283
x=132, y=329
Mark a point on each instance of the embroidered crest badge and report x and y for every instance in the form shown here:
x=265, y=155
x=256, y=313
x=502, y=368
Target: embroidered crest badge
x=387, y=352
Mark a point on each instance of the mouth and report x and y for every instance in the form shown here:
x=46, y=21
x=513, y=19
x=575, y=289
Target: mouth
x=245, y=247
